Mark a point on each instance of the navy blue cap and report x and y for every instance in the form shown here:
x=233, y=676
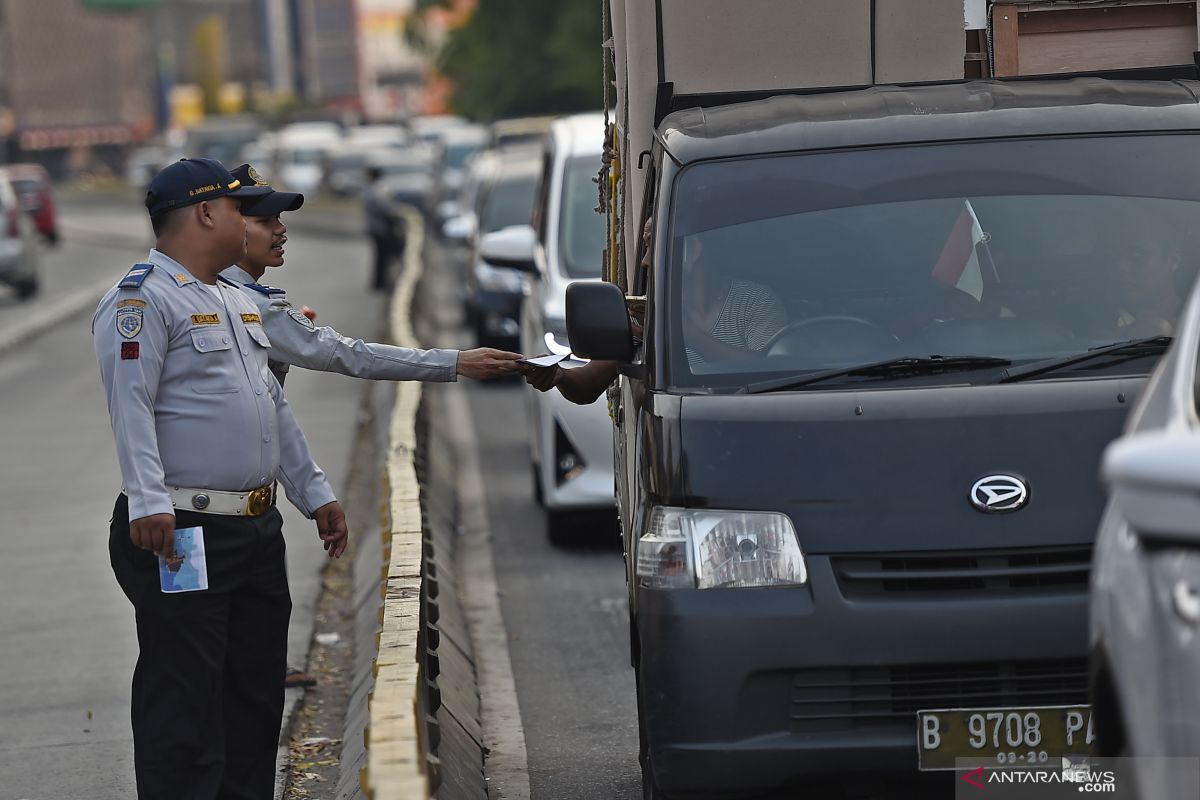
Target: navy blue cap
x=192, y=180
x=270, y=204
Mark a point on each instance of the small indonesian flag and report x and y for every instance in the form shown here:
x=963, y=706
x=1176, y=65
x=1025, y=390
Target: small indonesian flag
x=958, y=265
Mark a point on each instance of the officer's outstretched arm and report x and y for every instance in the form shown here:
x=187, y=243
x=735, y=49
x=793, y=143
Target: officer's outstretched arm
x=296, y=340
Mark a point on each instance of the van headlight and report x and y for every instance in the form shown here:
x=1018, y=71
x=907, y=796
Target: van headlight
x=684, y=548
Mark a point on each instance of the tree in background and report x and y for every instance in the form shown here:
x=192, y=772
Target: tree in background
x=523, y=57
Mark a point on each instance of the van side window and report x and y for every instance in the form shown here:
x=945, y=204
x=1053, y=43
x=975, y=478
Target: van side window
x=639, y=274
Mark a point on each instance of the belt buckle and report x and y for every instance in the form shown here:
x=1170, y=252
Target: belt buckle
x=258, y=501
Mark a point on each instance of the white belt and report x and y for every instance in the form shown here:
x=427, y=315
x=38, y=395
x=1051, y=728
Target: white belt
x=249, y=503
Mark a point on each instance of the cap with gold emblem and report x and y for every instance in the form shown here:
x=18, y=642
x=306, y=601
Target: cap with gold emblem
x=192, y=180
x=272, y=202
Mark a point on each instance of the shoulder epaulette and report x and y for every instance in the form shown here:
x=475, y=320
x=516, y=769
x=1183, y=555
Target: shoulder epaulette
x=136, y=275
x=223, y=279
x=267, y=290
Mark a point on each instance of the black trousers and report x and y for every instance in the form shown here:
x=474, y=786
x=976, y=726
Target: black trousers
x=208, y=687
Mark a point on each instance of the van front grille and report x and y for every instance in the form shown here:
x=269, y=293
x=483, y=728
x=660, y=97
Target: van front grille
x=1033, y=570
x=858, y=697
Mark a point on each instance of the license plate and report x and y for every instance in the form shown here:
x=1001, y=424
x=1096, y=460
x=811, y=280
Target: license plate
x=1005, y=737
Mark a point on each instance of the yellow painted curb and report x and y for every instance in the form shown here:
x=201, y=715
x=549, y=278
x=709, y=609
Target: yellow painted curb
x=395, y=765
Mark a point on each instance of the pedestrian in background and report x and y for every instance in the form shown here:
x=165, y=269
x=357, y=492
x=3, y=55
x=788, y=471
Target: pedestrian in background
x=296, y=339
x=202, y=433
x=385, y=226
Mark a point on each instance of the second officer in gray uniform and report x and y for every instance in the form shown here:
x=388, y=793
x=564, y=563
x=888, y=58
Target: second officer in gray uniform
x=295, y=339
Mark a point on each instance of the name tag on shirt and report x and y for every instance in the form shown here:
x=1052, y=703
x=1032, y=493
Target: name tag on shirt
x=206, y=319
x=251, y=318
x=186, y=570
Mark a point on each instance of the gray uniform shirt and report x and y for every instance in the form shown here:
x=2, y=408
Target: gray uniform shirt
x=296, y=340
x=190, y=396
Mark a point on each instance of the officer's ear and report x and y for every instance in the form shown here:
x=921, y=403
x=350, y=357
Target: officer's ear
x=204, y=214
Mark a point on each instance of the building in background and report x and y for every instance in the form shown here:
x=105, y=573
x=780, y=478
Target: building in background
x=81, y=81
x=392, y=72
x=76, y=86
x=326, y=45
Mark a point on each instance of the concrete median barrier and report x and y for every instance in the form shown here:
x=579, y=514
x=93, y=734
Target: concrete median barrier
x=423, y=738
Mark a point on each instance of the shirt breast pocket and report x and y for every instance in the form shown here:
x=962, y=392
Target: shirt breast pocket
x=214, y=371
x=258, y=335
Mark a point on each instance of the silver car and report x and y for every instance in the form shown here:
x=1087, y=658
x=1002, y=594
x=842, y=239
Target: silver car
x=1145, y=593
x=20, y=258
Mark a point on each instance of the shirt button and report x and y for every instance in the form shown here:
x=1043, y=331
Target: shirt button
x=258, y=391
x=202, y=343
x=266, y=438
x=245, y=352
x=225, y=339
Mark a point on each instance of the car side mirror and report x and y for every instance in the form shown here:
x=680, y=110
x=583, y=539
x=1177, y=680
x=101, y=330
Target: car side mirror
x=458, y=229
x=511, y=247
x=1154, y=479
x=598, y=322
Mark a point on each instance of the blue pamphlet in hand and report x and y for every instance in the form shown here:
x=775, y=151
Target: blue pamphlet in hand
x=185, y=570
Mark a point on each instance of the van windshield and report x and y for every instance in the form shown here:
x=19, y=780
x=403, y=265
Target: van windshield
x=1023, y=250
x=581, y=228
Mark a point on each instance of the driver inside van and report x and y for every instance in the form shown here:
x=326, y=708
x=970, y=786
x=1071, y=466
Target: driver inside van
x=724, y=318
x=1146, y=258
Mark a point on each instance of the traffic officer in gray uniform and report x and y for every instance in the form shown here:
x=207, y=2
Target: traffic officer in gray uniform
x=203, y=433
x=295, y=339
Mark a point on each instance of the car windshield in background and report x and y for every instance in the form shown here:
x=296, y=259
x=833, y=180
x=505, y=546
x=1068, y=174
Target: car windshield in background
x=581, y=229
x=457, y=154
x=509, y=202
x=1021, y=250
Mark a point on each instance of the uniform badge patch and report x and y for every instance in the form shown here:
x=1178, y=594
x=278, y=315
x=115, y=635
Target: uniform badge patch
x=206, y=319
x=131, y=302
x=129, y=321
x=303, y=320
x=130, y=350
x=254, y=319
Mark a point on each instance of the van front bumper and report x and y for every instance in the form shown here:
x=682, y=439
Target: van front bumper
x=758, y=689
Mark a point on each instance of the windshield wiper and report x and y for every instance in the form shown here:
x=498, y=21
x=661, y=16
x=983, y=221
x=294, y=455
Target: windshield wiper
x=1134, y=348
x=893, y=367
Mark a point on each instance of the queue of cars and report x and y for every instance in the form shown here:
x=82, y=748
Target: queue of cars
x=528, y=227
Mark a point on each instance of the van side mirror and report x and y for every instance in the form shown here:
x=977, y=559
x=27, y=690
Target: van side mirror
x=598, y=323
x=511, y=247
x=1155, y=480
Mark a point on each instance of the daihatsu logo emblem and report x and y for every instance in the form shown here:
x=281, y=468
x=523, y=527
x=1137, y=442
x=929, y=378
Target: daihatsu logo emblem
x=999, y=493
